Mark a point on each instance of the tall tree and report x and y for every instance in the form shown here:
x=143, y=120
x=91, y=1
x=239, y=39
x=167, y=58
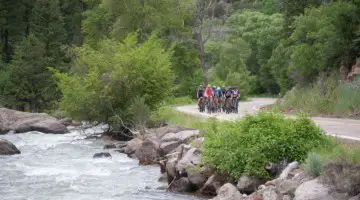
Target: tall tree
x=47, y=25
x=29, y=84
x=12, y=26
x=263, y=33
x=72, y=12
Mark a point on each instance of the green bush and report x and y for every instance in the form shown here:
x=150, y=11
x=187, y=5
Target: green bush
x=246, y=146
x=106, y=80
x=313, y=164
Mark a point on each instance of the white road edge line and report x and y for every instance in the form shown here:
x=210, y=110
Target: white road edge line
x=343, y=137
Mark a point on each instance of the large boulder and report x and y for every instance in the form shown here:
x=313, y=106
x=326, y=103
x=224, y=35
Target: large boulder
x=213, y=183
x=69, y=122
x=314, y=190
x=300, y=176
x=149, y=152
x=190, y=159
x=199, y=175
x=132, y=145
x=183, y=136
x=181, y=150
x=287, y=187
x=24, y=122
x=167, y=147
x=173, y=159
x=247, y=184
x=269, y=193
x=8, y=148
x=228, y=192
x=265, y=193
x=181, y=185
x=170, y=169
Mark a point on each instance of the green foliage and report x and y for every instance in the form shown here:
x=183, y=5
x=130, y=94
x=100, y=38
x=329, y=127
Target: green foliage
x=315, y=99
x=279, y=63
x=247, y=145
x=341, y=166
x=348, y=98
x=322, y=39
x=29, y=82
x=118, y=18
x=47, y=25
x=340, y=151
x=106, y=80
x=179, y=101
x=188, y=75
x=141, y=114
x=174, y=117
x=72, y=16
x=230, y=68
x=263, y=33
x=313, y=164
x=324, y=97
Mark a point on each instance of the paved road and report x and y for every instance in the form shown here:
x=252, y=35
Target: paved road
x=343, y=128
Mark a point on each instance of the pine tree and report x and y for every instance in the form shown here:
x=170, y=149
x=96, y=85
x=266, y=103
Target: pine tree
x=30, y=84
x=47, y=25
x=72, y=13
x=12, y=26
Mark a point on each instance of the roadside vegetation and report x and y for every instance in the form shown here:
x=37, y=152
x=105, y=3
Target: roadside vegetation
x=336, y=165
x=324, y=97
x=244, y=147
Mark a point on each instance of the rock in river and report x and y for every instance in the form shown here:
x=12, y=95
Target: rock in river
x=102, y=155
x=7, y=148
x=22, y=122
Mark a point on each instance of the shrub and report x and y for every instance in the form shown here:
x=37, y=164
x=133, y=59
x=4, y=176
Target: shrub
x=106, y=80
x=313, y=164
x=247, y=145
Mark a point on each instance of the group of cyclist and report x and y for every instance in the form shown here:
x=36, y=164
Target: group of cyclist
x=217, y=99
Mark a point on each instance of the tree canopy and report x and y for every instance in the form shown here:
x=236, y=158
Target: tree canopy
x=107, y=48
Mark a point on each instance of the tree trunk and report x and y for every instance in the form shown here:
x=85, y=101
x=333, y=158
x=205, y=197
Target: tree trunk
x=202, y=56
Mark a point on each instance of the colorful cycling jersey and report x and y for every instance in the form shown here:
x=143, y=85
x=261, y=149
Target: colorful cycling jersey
x=208, y=92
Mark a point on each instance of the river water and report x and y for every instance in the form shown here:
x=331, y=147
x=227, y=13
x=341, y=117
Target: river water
x=61, y=167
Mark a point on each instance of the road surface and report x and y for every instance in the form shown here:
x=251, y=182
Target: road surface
x=343, y=128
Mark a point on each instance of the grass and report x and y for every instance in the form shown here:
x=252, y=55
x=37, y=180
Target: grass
x=339, y=150
x=179, y=101
x=326, y=97
x=339, y=166
x=174, y=117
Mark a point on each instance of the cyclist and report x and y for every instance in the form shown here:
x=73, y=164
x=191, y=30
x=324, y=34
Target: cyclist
x=235, y=96
x=200, y=93
x=208, y=92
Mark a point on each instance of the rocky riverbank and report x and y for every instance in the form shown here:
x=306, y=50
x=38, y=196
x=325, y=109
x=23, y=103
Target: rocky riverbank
x=177, y=150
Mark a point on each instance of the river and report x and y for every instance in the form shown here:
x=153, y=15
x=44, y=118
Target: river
x=61, y=167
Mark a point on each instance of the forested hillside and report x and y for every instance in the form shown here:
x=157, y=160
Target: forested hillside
x=92, y=58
